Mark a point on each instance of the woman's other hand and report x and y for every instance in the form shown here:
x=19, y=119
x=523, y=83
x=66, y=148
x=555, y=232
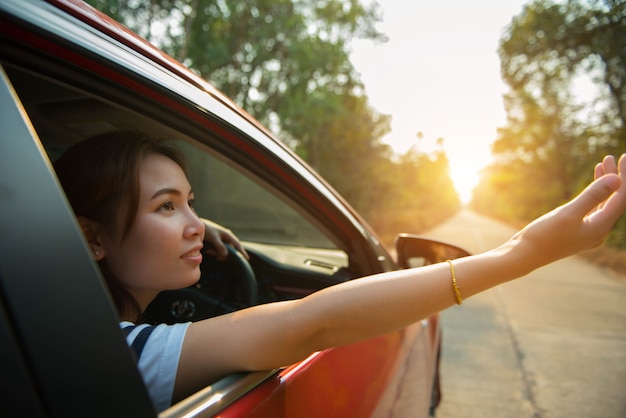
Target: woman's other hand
x=219, y=237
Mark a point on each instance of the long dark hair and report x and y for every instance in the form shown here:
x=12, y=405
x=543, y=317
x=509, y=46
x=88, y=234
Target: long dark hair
x=100, y=177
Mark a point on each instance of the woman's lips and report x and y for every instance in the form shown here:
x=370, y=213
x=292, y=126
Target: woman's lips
x=193, y=256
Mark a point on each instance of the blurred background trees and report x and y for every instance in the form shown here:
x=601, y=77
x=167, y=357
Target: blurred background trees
x=565, y=65
x=287, y=63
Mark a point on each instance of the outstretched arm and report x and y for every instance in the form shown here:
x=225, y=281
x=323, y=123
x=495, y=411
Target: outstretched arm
x=277, y=334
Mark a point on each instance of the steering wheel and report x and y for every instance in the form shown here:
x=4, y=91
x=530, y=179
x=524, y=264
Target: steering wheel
x=224, y=286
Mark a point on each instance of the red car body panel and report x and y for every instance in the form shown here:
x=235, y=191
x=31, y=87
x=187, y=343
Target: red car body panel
x=319, y=385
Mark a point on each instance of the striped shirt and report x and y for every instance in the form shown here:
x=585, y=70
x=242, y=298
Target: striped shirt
x=157, y=349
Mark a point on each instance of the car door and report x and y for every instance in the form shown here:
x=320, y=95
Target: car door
x=61, y=347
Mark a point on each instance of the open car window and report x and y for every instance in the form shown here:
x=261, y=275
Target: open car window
x=262, y=218
x=250, y=210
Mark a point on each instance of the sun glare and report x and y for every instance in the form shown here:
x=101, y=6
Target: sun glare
x=464, y=185
x=465, y=176
x=466, y=161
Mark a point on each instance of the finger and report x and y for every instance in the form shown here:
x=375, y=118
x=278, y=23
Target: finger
x=218, y=245
x=242, y=250
x=216, y=255
x=608, y=164
x=232, y=240
x=595, y=195
x=598, y=171
x=616, y=204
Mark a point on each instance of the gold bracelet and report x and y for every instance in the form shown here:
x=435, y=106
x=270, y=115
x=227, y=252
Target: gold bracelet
x=455, y=287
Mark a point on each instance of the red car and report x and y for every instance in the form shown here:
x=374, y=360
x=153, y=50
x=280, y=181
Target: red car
x=69, y=72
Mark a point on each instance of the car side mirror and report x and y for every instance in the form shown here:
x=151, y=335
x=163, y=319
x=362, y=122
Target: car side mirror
x=417, y=251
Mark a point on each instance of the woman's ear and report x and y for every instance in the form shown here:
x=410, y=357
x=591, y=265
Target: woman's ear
x=90, y=231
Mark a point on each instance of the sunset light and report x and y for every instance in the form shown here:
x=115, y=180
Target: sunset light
x=465, y=175
x=439, y=74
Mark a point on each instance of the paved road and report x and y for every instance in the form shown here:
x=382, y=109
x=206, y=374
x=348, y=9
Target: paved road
x=552, y=345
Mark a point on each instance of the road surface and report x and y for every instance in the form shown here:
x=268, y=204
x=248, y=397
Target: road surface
x=551, y=345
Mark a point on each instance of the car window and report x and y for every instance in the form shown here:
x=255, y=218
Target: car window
x=226, y=193
x=252, y=211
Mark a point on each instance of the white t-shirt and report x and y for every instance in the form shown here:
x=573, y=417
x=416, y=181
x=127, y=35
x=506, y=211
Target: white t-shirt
x=158, y=361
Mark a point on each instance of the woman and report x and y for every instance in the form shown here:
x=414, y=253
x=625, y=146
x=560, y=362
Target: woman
x=135, y=206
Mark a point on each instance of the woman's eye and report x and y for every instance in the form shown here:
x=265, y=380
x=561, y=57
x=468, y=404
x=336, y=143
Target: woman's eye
x=192, y=203
x=167, y=206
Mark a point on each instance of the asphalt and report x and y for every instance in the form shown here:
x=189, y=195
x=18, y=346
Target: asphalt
x=550, y=345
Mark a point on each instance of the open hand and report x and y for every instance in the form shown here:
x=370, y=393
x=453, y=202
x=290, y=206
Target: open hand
x=582, y=223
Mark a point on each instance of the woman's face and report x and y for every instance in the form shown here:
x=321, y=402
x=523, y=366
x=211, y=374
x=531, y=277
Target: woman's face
x=162, y=249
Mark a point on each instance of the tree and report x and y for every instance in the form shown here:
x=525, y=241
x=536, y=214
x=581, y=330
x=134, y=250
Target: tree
x=554, y=135
x=552, y=44
x=267, y=55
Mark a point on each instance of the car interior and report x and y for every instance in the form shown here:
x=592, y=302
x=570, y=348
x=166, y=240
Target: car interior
x=291, y=255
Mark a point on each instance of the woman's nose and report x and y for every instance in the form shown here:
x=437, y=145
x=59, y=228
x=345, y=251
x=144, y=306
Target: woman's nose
x=194, y=226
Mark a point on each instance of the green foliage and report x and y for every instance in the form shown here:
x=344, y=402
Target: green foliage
x=418, y=194
x=554, y=133
x=618, y=236
x=267, y=55
x=287, y=63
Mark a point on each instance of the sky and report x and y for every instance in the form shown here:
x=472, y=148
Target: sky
x=439, y=74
